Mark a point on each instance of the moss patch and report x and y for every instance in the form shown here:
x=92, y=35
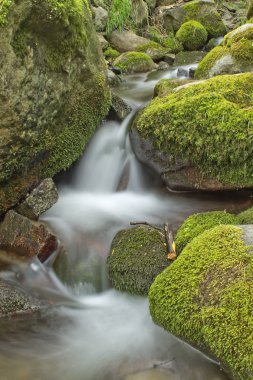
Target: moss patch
x=137, y=256
x=137, y=62
x=206, y=298
x=4, y=10
x=166, y=86
x=194, y=123
x=192, y=35
x=246, y=217
x=111, y=53
x=196, y=224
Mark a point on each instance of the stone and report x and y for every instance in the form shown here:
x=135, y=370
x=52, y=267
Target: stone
x=52, y=77
x=139, y=13
x=250, y=9
x=188, y=57
x=169, y=58
x=126, y=40
x=100, y=18
x=103, y=42
x=26, y=238
x=120, y=107
x=163, y=65
x=41, y=199
x=113, y=79
x=135, y=62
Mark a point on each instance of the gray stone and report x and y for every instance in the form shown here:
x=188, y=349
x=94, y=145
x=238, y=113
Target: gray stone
x=163, y=65
x=103, y=42
x=188, y=57
x=120, y=107
x=41, y=199
x=100, y=18
x=113, y=79
x=169, y=58
x=126, y=40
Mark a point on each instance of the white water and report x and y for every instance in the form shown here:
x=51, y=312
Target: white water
x=113, y=335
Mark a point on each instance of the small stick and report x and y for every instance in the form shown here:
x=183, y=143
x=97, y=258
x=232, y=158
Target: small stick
x=145, y=224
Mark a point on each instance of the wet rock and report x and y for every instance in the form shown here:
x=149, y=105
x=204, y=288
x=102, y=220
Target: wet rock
x=100, y=18
x=113, y=79
x=135, y=62
x=169, y=58
x=182, y=73
x=39, y=200
x=188, y=57
x=26, y=238
x=126, y=40
x=120, y=107
x=163, y=65
x=103, y=42
x=15, y=301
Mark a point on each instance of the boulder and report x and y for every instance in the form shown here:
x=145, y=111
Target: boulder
x=120, y=107
x=205, y=297
x=136, y=257
x=103, y=42
x=126, y=40
x=100, y=18
x=52, y=77
x=134, y=62
x=41, y=199
x=113, y=79
x=189, y=57
x=190, y=136
x=154, y=50
x=192, y=35
x=234, y=56
x=139, y=13
x=25, y=238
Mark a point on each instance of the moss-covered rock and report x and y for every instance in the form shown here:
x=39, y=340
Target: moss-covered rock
x=200, y=133
x=196, y=224
x=53, y=90
x=134, y=62
x=111, y=54
x=192, y=35
x=235, y=56
x=137, y=256
x=206, y=299
x=166, y=86
x=154, y=50
x=246, y=217
x=171, y=43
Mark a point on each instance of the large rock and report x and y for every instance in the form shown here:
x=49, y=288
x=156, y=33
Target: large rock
x=126, y=40
x=52, y=77
x=205, y=297
x=137, y=256
x=100, y=18
x=25, y=238
x=234, y=56
x=120, y=107
x=134, y=62
x=191, y=135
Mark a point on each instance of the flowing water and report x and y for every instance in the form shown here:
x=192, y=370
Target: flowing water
x=109, y=335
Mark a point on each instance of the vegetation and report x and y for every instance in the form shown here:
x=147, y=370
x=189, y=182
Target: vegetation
x=196, y=224
x=246, y=217
x=119, y=13
x=195, y=122
x=205, y=298
x=4, y=10
x=192, y=35
x=137, y=62
x=137, y=256
x=111, y=53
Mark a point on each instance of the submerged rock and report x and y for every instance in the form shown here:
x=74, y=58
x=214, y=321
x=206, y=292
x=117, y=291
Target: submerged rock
x=191, y=135
x=39, y=200
x=137, y=256
x=26, y=238
x=52, y=78
x=205, y=297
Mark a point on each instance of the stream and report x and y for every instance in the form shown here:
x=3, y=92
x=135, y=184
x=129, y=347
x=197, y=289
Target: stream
x=109, y=335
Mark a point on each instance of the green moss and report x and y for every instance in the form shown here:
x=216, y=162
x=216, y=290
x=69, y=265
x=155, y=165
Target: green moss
x=137, y=256
x=134, y=62
x=205, y=298
x=149, y=45
x=207, y=15
x=196, y=224
x=4, y=10
x=166, y=86
x=173, y=45
x=208, y=124
x=243, y=32
x=111, y=53
x=246, y=217
x=242, y=52
x=192, y=35
x=155, y=34
x=209, y=61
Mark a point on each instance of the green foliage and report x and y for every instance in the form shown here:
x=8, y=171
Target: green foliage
x=137, y=256
x=4, y=10
x=111, y=53
x=155, y=34
x=205, y=297
x=172, y=43
x=196, y=224
x=209, y=124
x=134, y=62
x=119, y=13
x=192, y=35
x=209, y=61
x=246, y=217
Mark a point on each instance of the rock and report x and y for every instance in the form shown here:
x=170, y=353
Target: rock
x=188, y=57
x=113, y=79
x=163, y=65
x=192, y=72
x=111, y=54
x=151, y=4
x=100, y=18
x=120, y=107
x=196, y=224
x=137, y=256
x=235, y=56
x=154, y=50
x=39, y=200
x=213, y=42
x=103, y=42
x=189, y=136
x=116, y=70
x=246, y=217
x=15, y=301
x=205, y=297
x=126, y=40
x=169, y=58
x=139, y=13
x=53, y=76
x=192, y=35
x=134, y=62
x=166, y=86
x=26, y=238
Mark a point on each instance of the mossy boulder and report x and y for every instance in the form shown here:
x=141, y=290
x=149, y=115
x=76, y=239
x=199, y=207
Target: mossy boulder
x=53, y=91
x=192, y=35
x=205, y=298
x=188, y=58
x=134, y=62
x=196, y=224
x=197, y=137
x=246, y=217
x=235, y=56
x=154, y=50
x=137, y=256
x=166, y=86
x=111, y=54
